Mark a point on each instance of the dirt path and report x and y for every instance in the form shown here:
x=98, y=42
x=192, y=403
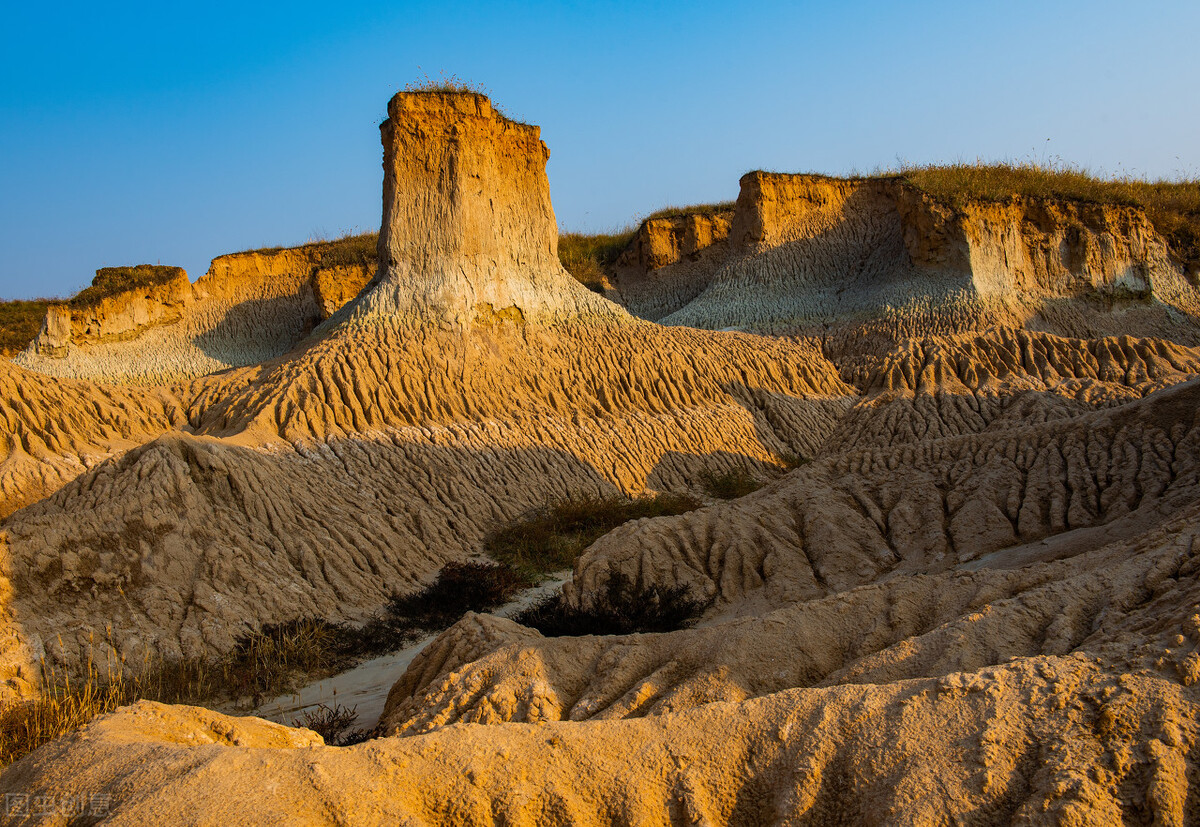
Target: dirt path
x=365, y=687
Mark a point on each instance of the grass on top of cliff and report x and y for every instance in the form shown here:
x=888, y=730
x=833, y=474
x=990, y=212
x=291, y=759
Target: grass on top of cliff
x=692, y=209
x=110, y=281
x=1173, y=207
x=347, y=251
x=20, y=321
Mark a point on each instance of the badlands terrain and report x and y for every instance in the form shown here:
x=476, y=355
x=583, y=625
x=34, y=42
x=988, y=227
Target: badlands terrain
x=957, y=581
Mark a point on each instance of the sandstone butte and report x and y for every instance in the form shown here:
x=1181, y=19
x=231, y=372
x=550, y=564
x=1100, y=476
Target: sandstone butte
x=976, y=600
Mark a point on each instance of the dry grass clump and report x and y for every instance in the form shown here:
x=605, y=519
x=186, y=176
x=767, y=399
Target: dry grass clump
x=262, y=664
x=446, y=84
x=66, y=703
x=551, y=538
x=20, y=322
x=622, y=609
x=589, y=258
x=1173, y=207
x=110, y=281
x=693, y=209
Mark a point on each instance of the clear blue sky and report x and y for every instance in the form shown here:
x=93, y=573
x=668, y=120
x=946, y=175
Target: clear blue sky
x=172, y=132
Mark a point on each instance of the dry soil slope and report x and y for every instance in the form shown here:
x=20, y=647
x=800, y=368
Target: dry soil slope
x=1000, y=442
x=1057, y=692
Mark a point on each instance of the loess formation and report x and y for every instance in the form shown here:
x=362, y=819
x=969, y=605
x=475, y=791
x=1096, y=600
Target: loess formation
x=967, y=590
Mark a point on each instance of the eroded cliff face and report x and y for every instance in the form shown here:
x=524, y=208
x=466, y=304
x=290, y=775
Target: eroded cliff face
x=670, y=261
x=248, y=307
x=808, y=250
x=298, y=270
x=117, y=317
x=1038, y=248
x=468, y=230
x=660, y=242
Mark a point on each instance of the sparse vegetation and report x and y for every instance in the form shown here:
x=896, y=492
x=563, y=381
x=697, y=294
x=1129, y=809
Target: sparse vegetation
x=65, y=703
x=621, y=609
x=1173, y=207
x=589, y=258
x=110, y=281
x=790, y=461
x=729, y=485
x=20, y=322
x=693, y=209
x=446, y=84
x=348, y=250
x=551, y=538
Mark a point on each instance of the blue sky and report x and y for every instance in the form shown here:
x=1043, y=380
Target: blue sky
x=172, y=133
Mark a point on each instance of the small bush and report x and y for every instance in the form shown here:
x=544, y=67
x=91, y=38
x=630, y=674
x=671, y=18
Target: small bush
x=333, y=724
x=729, y=485
x=551, y=538
x=620, y=610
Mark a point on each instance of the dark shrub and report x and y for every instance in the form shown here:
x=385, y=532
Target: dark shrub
x=622, y=609
x=730, y=485
x=550, y=538
x=333, y=724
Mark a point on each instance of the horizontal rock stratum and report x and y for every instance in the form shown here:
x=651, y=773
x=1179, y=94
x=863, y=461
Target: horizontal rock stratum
x=975, y=598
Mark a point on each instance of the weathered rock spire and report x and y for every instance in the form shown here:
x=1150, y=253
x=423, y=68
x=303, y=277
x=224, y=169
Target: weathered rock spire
x=468, y=231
